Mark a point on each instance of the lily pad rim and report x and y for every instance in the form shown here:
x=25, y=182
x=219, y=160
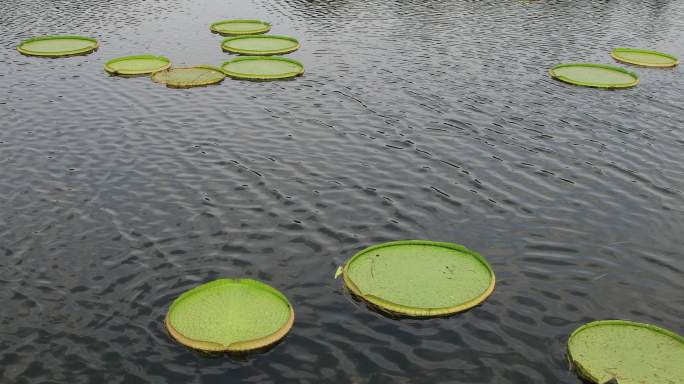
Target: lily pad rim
x=405, y=310
x=581, y=370
x=262, y=77
x=81, y=51
x=171, y=85
x=594, y=85
x=134, y=57
x=238, y=346
x=267, y=27
x=615, y=55
x=260, y=53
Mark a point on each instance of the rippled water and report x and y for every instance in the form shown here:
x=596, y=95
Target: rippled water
x=415, y=119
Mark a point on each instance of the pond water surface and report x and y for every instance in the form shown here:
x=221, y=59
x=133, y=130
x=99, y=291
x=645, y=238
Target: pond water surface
x=415, y=120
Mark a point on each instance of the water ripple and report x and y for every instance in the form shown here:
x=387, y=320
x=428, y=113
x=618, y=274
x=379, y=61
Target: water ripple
x=415, y=119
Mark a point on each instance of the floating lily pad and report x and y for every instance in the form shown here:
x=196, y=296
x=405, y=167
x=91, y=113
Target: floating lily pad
x=137, y=65
x=594, y=75
x=189, y=77
x=260, y=45
x=240, y=27
x=419, y=278
x=627, y=353
x=230, y=315
x=644, y=58
x=262, y=68
x=56, y=46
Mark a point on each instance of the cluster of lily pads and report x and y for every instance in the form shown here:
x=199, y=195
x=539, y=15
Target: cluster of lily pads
x=414, y=278
x=259, y=60
x=417, y=279
x=609, y=76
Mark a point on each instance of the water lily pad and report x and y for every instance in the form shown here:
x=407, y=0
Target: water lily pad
x=230, y=315
x=262, y=67
x=189, y=77
x=137, y=65
x=594, y=75
x=260, y=45
x=627, y=353
x=644, y=58
x=240, y=27
x=56, y=46
x=419, y=278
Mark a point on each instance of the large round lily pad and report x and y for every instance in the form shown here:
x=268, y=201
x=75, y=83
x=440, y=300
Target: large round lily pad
x=56, y=46
x=419, y=278
x=240, y=27
x=644, y=57
x=627, y=353
x=189, y=77
x=262, y=67
x=137, y=65
x=595, y=75
x=230, y=315
x=259, y=45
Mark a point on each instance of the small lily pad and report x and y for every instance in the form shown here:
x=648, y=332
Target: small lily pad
x=419, y=278
x=627, y=352
x=137, y=65
x=240, y=27
x=260, y=45
x=262, y=68
x=594, y=75
x=230, y=315
x=189, y=77
x=644, y=57
x=57, y=46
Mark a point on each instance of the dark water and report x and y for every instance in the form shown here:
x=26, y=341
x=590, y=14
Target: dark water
x=415, y=119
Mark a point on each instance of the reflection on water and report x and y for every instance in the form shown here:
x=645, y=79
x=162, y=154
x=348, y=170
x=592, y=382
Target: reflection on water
x=415, y=119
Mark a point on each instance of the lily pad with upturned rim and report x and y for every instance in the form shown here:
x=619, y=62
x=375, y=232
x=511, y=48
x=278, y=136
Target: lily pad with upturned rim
x=189, y=77
x=644, y=58
x=262, y=68
x=419, y=278
x=594, y=75
x=230, y=315
x=627, y=353
x=137, y=65
x=240, y=27
x=57, y=46
x=260, y=45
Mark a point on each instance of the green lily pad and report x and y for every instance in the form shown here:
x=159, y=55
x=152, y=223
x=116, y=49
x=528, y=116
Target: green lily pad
x=262, y=68
x=137, y=65
x=260, y=45
x=627, y=352
x=230, y=315
x=644, y=58
x=240, y=27
x=594, y=75
x=57, y=46
x=419, y=278
x=189, y=77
